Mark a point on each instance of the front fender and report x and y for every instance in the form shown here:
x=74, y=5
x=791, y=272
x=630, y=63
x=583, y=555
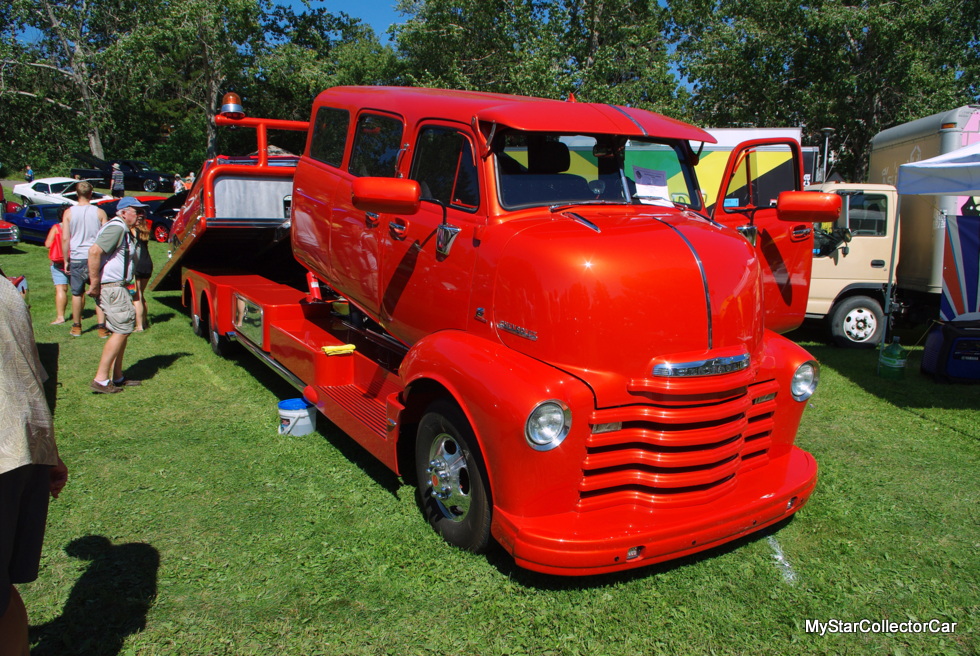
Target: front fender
x=497, y=388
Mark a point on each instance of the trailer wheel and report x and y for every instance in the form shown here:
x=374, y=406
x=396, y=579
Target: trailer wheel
x=452, y=489
x=857, y=322
x=220, y=344
x=149, y=185
x=199, y=324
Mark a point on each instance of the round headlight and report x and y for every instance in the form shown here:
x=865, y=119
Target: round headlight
x=805, y=381
x=547, y=425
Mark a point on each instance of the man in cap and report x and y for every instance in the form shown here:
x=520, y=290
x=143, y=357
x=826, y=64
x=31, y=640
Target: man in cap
x=111, y=262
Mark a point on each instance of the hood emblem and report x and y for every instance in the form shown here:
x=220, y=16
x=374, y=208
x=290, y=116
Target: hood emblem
x=712, y=367
x=518, y=330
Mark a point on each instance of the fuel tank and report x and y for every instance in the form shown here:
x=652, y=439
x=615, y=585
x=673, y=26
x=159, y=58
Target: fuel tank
x=608, y=295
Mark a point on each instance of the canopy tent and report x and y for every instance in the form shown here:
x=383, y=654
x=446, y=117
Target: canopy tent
x=956, y=173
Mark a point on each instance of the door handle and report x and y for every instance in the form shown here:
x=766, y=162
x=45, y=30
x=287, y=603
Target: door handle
x=877, y=264
x=398, y=229
x=371, y=219
x=801, y=232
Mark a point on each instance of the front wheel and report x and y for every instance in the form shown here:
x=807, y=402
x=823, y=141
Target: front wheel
x=149, y=185
x=857, y=322
x=452, y=483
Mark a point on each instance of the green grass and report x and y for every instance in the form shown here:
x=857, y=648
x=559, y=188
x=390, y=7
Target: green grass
x=189, y=526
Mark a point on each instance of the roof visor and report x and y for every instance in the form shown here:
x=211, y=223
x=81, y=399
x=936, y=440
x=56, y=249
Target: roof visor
x=536, y=115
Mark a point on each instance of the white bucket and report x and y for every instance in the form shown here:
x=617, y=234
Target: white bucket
x=296, y=417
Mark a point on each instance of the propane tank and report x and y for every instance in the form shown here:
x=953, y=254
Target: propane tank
x=891, y=361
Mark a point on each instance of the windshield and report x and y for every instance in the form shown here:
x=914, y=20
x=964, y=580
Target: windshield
x=535, y=168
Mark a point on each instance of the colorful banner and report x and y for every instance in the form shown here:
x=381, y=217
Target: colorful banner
x=961, y=269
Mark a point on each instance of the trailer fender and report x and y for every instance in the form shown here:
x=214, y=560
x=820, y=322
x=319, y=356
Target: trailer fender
x=497, y=388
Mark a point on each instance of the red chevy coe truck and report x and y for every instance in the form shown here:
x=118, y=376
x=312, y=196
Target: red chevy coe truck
x=521, y=306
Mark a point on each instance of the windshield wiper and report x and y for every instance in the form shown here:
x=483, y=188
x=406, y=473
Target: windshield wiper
x=557, y=207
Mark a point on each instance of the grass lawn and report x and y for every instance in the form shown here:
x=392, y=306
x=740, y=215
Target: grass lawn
x=189, y=526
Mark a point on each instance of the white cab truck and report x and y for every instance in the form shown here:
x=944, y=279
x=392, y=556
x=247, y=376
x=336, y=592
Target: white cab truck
x=850, y=279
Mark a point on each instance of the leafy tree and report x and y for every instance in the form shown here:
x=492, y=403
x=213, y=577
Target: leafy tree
x=70, y=62
x=857, y=66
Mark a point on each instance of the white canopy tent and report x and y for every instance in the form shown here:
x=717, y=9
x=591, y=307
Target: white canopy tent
x=956, y=173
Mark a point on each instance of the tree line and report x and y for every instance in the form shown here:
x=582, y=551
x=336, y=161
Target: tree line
x=141, y=79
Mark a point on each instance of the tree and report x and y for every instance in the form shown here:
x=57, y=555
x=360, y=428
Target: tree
x=71, y=59
x=857, y=66
x=600, y=50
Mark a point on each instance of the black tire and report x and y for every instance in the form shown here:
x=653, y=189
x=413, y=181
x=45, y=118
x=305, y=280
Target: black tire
x=221, y=345
x=149, y=185
x=446, y=455
x=200, y=323
x=857, y=322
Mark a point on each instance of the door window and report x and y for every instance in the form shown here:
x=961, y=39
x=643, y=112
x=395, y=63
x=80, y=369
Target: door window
x=865, y=214
x=377, y=143
x=444, y=168
x=762, y=173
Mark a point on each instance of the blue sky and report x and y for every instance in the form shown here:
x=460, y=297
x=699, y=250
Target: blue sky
x=379, y=14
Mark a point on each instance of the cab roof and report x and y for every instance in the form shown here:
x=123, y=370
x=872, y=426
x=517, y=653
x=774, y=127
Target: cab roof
x=519, y=112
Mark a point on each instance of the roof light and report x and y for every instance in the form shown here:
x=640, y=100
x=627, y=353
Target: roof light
x=231, y=106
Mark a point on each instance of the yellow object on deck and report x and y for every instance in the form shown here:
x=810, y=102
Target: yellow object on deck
x=343, y=349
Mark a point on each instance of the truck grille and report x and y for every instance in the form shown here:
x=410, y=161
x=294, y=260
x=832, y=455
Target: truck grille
x=680, y=450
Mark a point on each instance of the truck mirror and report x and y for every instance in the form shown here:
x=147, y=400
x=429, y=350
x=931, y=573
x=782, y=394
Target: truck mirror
x=808, y=206
x=386, y=195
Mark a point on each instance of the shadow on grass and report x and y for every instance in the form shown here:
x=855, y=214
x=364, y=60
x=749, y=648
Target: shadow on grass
x=505, y=565
x=107, y=603
x=49, y=352
x=148, y=367
x=337, y=438
x=914, y=391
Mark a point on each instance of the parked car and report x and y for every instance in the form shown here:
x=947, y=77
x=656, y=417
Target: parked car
x=34, y=221
x=6, y=205
x=9, y=234
x=137, y=175
x=52, y=190
x=160, y=213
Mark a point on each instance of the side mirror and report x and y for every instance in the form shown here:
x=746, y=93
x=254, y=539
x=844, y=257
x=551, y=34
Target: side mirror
x=808, y=207
x=386, y=195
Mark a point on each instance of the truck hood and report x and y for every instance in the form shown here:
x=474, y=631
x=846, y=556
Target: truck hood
x=607, y=295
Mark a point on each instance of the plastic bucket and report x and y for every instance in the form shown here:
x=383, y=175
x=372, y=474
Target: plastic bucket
x=296, y=417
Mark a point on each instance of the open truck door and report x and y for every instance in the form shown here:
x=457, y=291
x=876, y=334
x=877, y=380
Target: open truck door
x=757, y=173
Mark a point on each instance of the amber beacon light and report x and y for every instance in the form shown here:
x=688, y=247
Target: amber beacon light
x=231, y=106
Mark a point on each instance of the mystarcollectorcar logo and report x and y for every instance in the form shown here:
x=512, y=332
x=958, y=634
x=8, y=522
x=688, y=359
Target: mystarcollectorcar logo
x=824, y=627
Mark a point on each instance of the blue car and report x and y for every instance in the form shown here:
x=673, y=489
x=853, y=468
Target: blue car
x=35, y=221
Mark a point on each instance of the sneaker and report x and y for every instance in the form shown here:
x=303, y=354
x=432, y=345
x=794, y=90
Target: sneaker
x=76, y=330
x=103, y=331
x=104, y=389
x=127, y=382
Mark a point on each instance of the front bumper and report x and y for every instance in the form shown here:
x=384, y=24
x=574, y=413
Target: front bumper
x=625, y=537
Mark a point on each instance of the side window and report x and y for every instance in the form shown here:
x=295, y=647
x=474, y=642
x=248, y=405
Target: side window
x=866, y=214
x=377, y=142
x=329, y=135
x=445, y=169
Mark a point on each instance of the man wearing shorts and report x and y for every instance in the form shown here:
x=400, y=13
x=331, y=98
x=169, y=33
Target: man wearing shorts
x=30, y=468
x=111, y=261
x=81, y=224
